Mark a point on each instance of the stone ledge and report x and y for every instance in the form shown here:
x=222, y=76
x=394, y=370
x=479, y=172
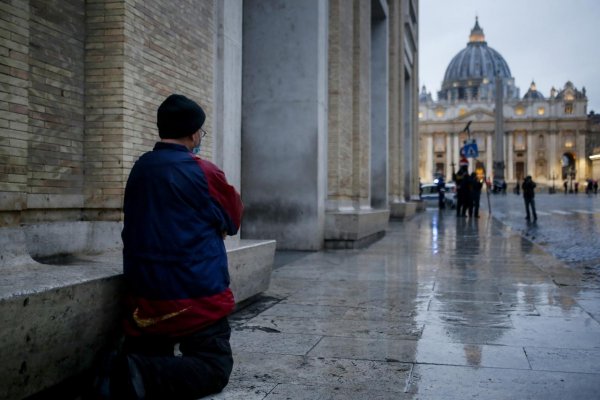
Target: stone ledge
x=403, y=210
x=353, y=229
x=56, y=317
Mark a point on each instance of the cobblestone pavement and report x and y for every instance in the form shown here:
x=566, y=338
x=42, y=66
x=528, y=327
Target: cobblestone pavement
x=440, y=308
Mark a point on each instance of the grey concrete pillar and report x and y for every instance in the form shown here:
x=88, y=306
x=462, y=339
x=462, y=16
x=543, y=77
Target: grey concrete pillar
x=284, y=121
x=228, y=89
x=379, y=105
x=407, y=148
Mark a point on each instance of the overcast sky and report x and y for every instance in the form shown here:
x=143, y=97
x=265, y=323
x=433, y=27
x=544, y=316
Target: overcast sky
x=548, y=41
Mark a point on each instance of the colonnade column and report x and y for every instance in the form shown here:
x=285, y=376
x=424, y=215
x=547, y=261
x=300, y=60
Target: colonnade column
x=284, y=121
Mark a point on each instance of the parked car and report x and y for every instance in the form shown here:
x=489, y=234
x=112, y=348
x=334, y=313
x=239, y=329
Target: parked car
x=430, y=194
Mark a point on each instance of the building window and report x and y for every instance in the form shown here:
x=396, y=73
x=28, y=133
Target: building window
x=569, y=140
x=541, y=141
x=568, y=108
x=439, y=143
x=440, y=169
x=541, y=111
x=480, y=140
x=520, y=141
x=439, y=112
x=540, y=168
x=462, y=112
x=420, y=114
x=520, y=110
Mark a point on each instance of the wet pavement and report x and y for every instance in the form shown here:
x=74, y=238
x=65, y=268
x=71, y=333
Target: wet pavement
x=440, y=308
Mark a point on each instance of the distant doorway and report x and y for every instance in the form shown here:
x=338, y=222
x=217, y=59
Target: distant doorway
x=520, y=170
x=568, y=166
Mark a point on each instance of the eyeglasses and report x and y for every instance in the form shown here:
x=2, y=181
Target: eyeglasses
x=203, y=133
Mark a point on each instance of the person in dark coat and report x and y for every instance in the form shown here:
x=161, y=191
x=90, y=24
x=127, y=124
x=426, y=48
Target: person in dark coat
x=462, y=189
x=529, y=195
x=178, y=208
x=476, y=186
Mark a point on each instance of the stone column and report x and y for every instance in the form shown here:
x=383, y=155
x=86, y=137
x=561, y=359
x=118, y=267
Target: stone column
x=499, y=166
x=395, y=59
x=350, y=219
x=340, y=119
x=361, y=104
x=449, y=157
x=228, y=89
x=284, y=121
x=488, y=154
x=531, y=156
x=379, y=105
x=510, y=157
x=429, y=163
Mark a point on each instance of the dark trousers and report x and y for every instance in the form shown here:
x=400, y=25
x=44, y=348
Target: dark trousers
x=530, y=203
x=201, y=366
x=474, y=209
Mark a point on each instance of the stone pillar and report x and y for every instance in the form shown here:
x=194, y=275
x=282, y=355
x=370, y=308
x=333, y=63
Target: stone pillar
x=510, y=156
x=499, y=131
x=284, y=121
x=429, y=163
x=361, y=104
x=340, y=119
x=449, y=157
x=531, y=154
x=227, y=121
x=488, y=154
x=554, y=157
x=228, y=89
x=350, y=219
x=379, y=105
x=395, y=59
x=403, y=100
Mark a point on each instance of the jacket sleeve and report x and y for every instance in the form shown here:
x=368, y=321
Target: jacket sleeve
x=224, y=195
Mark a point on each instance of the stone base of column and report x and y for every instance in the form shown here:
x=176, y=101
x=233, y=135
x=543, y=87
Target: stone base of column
x=354, y=229
x=405, y=209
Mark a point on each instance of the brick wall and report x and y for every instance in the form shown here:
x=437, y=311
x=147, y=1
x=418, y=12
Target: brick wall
x=14, y=103
x=56, y=107
x=80, y=82
x=169, y=49
x=104, y=113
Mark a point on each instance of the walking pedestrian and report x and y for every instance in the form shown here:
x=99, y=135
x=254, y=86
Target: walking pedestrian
x=462, y=190
x=565, y=185
x=529, y=197
x=476, y=186
x=441, y=185
x=178, y=208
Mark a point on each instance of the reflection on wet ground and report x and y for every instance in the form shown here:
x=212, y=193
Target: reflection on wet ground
x=440, y=308
x=568, y=227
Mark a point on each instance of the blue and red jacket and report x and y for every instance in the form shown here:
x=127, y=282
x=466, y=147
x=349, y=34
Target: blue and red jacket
x=177, y=209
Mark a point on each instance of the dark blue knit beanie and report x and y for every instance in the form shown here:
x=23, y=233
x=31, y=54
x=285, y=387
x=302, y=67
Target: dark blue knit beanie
x=178, y=117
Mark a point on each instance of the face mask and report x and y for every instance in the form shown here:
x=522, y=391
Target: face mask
x=196, y=149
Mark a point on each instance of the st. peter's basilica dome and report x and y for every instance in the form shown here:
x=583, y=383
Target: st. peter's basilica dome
x=472, y=72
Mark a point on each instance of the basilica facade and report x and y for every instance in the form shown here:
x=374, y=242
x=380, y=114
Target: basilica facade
x=542, y=135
